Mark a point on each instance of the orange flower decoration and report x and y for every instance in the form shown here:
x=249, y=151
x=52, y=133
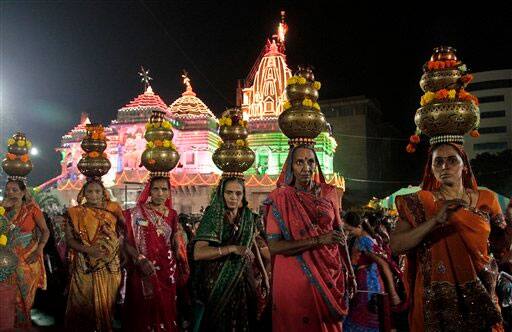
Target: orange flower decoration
x=152, y=161
x=11, y=156
x=24, y=158
x=442, y=94
x=435, y=65
x=159, y=143
x=95, y=135
x=414, y=139
x=94, y=154
x=466, y=78
x=410, y=148
x=474, y=133
x=463, y=94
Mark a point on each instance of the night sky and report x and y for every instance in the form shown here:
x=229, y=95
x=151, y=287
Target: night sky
x=59, y=59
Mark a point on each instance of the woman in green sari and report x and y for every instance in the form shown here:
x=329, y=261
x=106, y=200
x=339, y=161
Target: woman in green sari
x=233, y=263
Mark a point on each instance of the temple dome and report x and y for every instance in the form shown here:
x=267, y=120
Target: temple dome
x=139, y=109
x=189, y=105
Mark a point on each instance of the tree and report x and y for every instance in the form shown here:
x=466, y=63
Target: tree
x=494, y=171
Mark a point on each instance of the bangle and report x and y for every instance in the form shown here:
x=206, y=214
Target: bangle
x=220, y=251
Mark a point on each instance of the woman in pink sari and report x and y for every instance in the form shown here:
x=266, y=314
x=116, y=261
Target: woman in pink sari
x=310, y=261
x=157, y=249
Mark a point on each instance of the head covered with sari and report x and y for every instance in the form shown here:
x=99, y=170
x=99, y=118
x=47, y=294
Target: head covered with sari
x=287, y=178
x=429, y=181
x=145, y=195
x=91, y=180
x=216, y=211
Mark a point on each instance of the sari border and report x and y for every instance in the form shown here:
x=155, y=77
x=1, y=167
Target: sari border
x=272, y=236
x=234, y=262
x=304, y=267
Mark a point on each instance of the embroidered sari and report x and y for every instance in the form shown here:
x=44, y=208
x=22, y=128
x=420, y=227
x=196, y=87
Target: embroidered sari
x=94, y=283
x=28, y=277
x=451, y=276
x=231, y=288
x=151, y=301
x=308, y=290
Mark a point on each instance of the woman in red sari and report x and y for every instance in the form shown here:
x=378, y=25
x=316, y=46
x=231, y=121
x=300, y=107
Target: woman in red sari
x=444, y=230
x=158, y=252
x=305, y=238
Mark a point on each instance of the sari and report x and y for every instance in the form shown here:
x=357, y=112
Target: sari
x=151, y=301
x=94, y=283
x=364, y=315
x=308, y=290
x=231, y=289
x=451, y=276
x=28, y=277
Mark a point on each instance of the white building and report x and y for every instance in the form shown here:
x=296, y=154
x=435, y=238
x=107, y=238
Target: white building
x=494, y=91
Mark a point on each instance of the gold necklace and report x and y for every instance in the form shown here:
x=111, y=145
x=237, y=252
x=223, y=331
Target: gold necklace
x=464, y=191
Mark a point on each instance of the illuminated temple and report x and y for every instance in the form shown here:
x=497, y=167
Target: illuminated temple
x=261, y=97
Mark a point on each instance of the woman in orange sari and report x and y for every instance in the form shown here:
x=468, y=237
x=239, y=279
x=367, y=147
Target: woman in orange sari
x=29, y=235
x=94, y=244
x=444, y=230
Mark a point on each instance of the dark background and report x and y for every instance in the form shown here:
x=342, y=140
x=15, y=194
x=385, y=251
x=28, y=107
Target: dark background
x=59, y=59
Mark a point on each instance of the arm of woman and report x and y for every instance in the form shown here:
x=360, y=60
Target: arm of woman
x=406, y=237
x=45, y=234
x=279, y=246
x=93, y=251
x=388, y=277
x=265, y=252
x=204, y=252
x=121, y=222
x=292, y=247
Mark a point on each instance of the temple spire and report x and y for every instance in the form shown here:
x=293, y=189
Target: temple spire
x=282, y=29
x=188, y=86
x=144, y=74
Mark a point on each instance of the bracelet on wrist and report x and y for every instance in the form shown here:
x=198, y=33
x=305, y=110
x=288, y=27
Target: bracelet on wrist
x=140, y=258
x=220, y=251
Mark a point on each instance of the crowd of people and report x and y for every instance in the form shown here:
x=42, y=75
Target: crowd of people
x=305, y=265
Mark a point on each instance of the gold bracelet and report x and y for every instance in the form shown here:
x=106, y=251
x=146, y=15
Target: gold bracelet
x=220, y=251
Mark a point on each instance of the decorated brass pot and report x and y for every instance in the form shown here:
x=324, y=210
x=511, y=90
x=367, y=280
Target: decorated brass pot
x=154, y=134
x=306, y=72
x=90, y=145
x=19, y=151
x=449, y=118
x=441, y=79
x=302, y=123
x=160, y=159
x=16, y=167
x=444, y=53
x=94, y=167
x=8, y=263
x=233, y=158
x=296, y=93
x=233, y=133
